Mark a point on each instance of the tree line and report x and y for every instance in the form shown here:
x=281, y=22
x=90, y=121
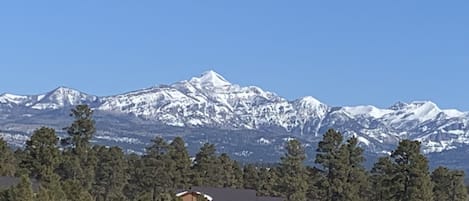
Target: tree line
x=72, y=169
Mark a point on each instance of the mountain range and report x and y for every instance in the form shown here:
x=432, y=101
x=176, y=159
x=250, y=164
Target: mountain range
x=249, y=123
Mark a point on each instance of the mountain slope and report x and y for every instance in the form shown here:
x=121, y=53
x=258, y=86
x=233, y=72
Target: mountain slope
x=198, y=106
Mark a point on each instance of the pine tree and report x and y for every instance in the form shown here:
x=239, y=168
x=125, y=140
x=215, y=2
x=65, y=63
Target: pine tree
x=70, y=166
x=52, y=190
x=20, y=155
x=78, y=168
x=110, y=177
x=356, y=186
x=81, y=161
x=7, y=160
x=207, y=170
x=182, y=163
x=411, y=174
x=343, y=176
x=81, y=130
x=231, y=173
x=42, y=154
x=315, y=178
x=250, y=177
x=238, y=175
x=75, y=191
x=267, y=184
x=228, y=172
x=292, y=172
x=328, y=157
x=381, y=180
x=135, y=173
x=448, y=185
x=42, y=195
x=23, y=191
x=156, y=171
x=6, y=195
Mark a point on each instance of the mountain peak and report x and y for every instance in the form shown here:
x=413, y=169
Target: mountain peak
x=423, y=103
x=398, y=105
x=210, y=78
x=309, y=100
x=65, y=90
x=61, y=97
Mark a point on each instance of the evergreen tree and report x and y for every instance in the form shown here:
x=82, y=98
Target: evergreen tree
x=84, y=171
x=46, y=194
x=181, y=171
x=6, y=195
x=23, y=191
x=20, y=155
x=448, y=185
x=42, y=154
x=135, y=173
x=292, y=172
x=81, y=161
x=41, y=158
x=345, y=178
x=7, y=160
x=381, y=180
x=110, y=177
x=329, y=157
x=411, y=174
x=315, y=178
x=250, y=177
x=207, y=171
x=267, y=184
x=238, y=175
x=75, y=191
x=156, y=171
x=51, y=191
x=54, y=189
x=70, y=166
x=356, y=186
x=42, y=195
x=81, y=130
x=228, y=171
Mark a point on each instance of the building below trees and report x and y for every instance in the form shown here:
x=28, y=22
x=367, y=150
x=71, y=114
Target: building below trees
x=222, y=194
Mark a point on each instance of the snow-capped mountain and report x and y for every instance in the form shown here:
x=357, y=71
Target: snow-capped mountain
x=211, y=102
x=58, y=98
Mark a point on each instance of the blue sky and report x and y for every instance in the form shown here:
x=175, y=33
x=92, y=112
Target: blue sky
x=341, y=52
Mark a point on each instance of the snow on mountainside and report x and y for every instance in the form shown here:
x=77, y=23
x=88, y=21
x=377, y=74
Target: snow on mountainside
x=62, y=97
x=210, y=101
x=58, y=98
x=13, y=99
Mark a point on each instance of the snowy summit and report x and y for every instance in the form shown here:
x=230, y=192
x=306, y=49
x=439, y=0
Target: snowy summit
x=210, y=101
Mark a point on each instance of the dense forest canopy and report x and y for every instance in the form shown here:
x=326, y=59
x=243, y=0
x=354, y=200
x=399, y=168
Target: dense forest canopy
x=72, y=169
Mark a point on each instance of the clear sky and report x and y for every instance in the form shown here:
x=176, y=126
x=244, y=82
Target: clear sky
x=341, y=52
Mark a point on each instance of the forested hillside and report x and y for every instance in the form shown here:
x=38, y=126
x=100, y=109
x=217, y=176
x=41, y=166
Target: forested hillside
x=73, y=169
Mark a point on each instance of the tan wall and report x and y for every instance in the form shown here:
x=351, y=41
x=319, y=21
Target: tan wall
x=189, y=197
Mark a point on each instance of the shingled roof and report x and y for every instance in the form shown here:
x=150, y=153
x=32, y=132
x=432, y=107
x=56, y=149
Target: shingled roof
x=8, y=182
